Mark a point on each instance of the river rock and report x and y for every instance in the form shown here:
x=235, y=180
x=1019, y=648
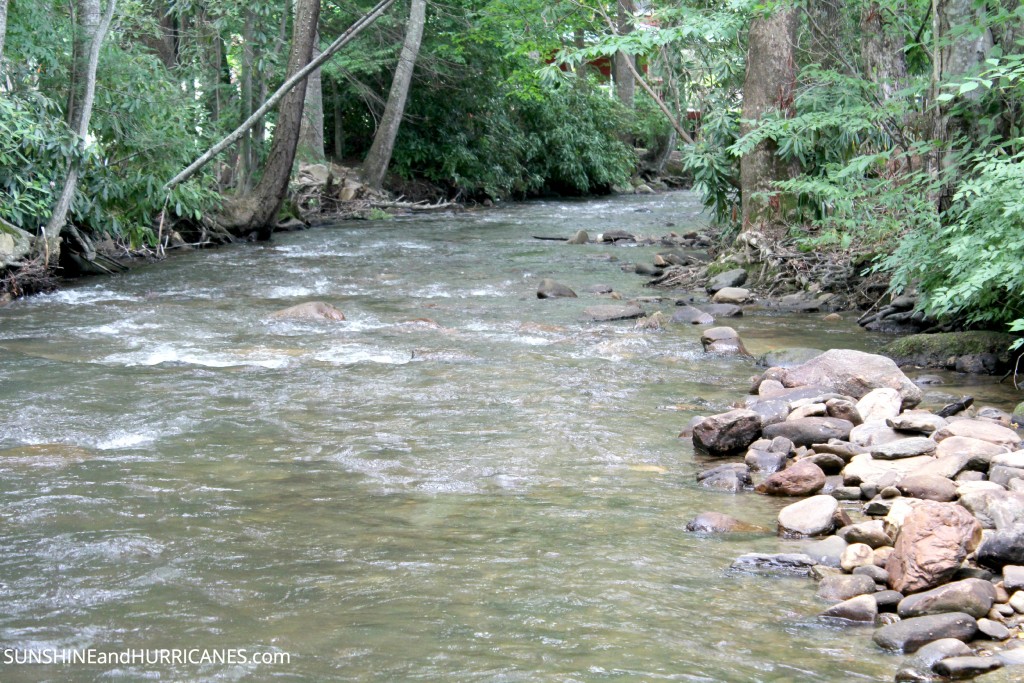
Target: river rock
x=830, y=463
x=917, y=422
x=717, y=523
x=788, y=358
x=864, y=469
x=802, y=478
x=963, y=668
x=764, y=461
x=932, y=543
x=994, y=509
x=550, y=289
x=777, y=563
x=727, y=432
x=812, y=516
x=845, y=586
x=904, y=448
x=857, y=555
x=722, y=310
x=860, y=608
x=688, y=315
x=581, y=237
x=311, y=310
x=1002, y=547
x=731, y=295
x=979, y=429
x=972, y=596
x=730, y=278
x=844, y=410
x=928, y=487
x=827, y=552
x=947, y=466
x=880, y=404
x=873, y=433
x=887, y=600
x=877, y=574
x=909, y=635
x=727, y=478
x=919, y=667
x=980, y=452
x=808, y=410
x=809, y=430
x=853, y=373
x=616, y=236
x=724, y=340
x=771, y=411
x=1006, y=467
x=1013, y=577
x=611, y=312
x=871, y=533
x=993, y=630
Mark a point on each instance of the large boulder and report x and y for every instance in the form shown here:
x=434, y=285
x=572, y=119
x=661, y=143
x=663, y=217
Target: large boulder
x=909, y=635
x=812, y=516
x=731, y=295
x=853, y=373
x=311, y=310
x=931, y=545
x=727, y=432
x=802, y=478
x=550, y=289
x=973, y=596
x=806, y=431
x=15, y=244
x=980, y=452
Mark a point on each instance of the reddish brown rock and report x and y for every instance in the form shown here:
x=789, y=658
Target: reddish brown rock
x=932, y=543
x=802, y=478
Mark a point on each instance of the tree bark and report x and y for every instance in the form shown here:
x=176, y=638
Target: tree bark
x=375, y=167
x=3, y=29
x=882, y=54
x=257, y=211
x=311, y=134
x=286, y=87
x=625, y=87
x=825, y=33
x=245, y=163
x=339, y=126
x=93, y=29
x=769, y=85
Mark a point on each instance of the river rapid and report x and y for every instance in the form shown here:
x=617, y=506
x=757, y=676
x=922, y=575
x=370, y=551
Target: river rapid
x=460, y=482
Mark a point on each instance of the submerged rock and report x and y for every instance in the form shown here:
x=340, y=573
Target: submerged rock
x=611, y=312
x=909, y=635
x=311, y=310
x=780, y=562
x=724, y=340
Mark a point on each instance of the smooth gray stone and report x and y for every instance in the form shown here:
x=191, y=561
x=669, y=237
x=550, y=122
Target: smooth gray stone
x=779, y=562
x=961, y=668
x=909, y=635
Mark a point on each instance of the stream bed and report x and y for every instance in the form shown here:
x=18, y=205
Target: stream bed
x=460, y=482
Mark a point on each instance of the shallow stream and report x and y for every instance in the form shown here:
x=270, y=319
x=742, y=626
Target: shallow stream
x=460, y=482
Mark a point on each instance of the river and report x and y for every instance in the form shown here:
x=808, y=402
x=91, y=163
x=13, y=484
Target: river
x=498, y=494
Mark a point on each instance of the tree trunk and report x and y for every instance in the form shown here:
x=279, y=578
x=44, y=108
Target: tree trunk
x=881, y=50
x=92, y=30
x=245, y=163
x=311, y=134
x=825, y=34
x=376, y=164
x=957, y=52
x=3, y=29
x=769, y=85
x=625, y=87
x=339, y=126
x=283, y=90
x=258, y=211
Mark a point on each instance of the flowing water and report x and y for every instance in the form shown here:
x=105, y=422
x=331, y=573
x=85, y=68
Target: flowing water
x=460, y=482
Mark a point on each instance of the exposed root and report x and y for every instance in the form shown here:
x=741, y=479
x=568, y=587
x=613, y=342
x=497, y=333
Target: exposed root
x=28, y=277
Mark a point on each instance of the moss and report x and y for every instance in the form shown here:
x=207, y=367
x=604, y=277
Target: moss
x=717, y=267
x=949, y=344
x=1019, y=410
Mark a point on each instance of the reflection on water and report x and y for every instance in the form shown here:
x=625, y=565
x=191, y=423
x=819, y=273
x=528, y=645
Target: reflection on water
x=459, y=482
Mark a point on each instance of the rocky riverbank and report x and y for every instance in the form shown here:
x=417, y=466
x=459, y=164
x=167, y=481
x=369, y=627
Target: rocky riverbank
x=914, y=520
